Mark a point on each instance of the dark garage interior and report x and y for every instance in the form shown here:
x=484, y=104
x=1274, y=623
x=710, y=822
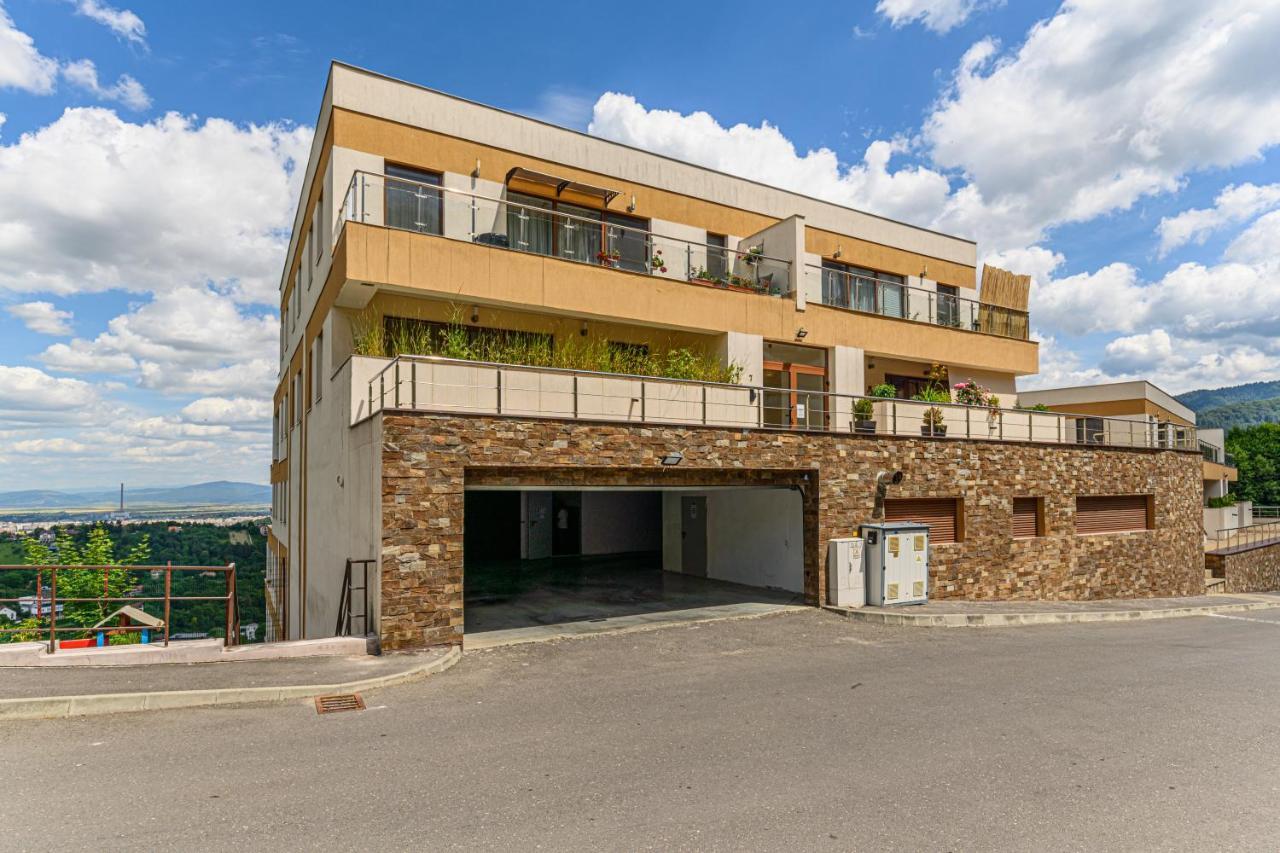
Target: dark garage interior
x=536, y=557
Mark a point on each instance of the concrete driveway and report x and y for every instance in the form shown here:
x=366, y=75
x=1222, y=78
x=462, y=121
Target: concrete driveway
x=796, y=731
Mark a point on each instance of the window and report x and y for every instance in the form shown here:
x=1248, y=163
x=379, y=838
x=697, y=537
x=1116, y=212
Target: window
x=317, y=363
x=315, y=231
x=863, y=290
x=717, y=257
x=943, y=515
x=1028, y=518
x=304, y=268
x=297, y=398
x=411, y=203
x=576, y=233
x=1089, y=430
x=1114, y=513
x=948, y=305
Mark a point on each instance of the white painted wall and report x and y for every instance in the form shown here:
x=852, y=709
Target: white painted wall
x=745, y=350
x=754, y=536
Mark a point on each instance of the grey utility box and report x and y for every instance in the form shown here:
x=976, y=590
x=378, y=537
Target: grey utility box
x=897, y=563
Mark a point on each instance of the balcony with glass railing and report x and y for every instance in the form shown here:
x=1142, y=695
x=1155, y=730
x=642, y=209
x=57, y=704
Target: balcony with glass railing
x=868, y=295
x=577, y=234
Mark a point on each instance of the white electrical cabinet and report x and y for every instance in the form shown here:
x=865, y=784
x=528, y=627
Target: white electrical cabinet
x=846, y=581
x=897, y=563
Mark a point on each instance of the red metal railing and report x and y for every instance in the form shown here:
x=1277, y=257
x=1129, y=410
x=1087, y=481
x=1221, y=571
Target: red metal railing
x=46, y=608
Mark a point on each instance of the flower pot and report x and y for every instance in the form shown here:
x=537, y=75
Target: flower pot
x=940, y=429
x=865, y=427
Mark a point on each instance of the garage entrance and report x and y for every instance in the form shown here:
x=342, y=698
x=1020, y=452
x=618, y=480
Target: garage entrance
x=539, y=556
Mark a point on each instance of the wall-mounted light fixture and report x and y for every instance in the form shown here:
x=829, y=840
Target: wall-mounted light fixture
x=475, y=314
x=631, y=208
x=475, y=173
x=583, y=330
x=675, y=457
x=802, y=333
x=924, y=271
x=838, y=252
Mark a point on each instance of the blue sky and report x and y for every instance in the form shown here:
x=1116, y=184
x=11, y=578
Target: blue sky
x=1122, y=153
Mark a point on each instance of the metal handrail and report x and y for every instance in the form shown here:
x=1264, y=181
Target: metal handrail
x=974, y=416
x=1248, y=534
x=935, y=301
x=232, y=612
x=353, y=212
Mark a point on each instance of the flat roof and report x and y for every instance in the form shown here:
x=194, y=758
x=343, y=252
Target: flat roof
x=1110, y=391
x=349, y=66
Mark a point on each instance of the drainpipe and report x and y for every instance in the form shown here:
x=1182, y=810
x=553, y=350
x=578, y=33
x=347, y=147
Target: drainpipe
x=883, y=480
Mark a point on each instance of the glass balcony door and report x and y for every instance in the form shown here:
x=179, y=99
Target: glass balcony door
x=576, y=239
x=409, y=204
x=795, y=379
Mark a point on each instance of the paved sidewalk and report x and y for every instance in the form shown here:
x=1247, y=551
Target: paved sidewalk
x=32, y=692
x=954, y=613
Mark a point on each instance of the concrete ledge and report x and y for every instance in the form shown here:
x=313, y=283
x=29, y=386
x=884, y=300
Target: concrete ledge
x=120, y=703
x=178, y=651
x=904, y=616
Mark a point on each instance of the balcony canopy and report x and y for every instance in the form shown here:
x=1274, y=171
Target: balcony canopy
x=527, y=176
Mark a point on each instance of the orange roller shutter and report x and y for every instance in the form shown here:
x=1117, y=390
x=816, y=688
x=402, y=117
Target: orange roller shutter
x=939, y=513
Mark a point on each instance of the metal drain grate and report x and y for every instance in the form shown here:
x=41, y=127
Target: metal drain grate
x=339, y=702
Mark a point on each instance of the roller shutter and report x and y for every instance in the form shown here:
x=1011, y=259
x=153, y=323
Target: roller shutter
x=1111, y=513
x=1026, y=514
x=939, y=513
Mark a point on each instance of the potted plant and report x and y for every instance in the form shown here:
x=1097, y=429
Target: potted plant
x=656, y=263
x=753, y=255
x=935, y=392
x=609, y=257
x=863, y=413
x=885, y=391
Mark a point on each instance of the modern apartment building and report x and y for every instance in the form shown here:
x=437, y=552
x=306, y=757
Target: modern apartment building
x=506, y=346
x=1156, y=414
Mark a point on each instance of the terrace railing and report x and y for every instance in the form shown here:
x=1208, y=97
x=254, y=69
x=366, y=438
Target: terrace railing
x=1251, y=536
x=432, y=384
x=48, y=606
x=842, y=289
x=533, y=227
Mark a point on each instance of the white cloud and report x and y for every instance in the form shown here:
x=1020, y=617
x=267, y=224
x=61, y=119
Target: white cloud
x=92, y=202
x=126, y=90
x=566, y=109
x=22, y=66
x=1235, y=204
x=1105, y=103
x=30, y=395
x=1260, y=243
x=43, y=318
x=191, y=340
x=122, y=22
x=764, y=154
x=937, y=15
x=45, y=446
x=221, y=410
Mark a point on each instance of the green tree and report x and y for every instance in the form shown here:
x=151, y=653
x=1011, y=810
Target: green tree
x=1257, y=454
x=104, y=574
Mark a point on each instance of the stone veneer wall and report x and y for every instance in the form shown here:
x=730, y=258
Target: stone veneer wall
x=1248, y=569
x=429, y=459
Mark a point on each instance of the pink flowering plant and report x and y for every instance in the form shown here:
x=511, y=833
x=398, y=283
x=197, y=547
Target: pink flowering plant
x=970, y=393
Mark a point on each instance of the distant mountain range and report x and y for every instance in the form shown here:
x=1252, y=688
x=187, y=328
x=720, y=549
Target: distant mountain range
x=219, y=493
x=1236, y=405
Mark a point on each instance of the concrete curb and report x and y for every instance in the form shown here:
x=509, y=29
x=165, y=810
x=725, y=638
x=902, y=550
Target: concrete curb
x=1009, y=620
x=35, y=708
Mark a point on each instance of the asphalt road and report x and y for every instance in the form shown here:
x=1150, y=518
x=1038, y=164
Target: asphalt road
x=801, y=732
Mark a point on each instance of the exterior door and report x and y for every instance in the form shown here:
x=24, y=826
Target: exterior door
x=794, y=395
x=693, y=535
x=536, y=529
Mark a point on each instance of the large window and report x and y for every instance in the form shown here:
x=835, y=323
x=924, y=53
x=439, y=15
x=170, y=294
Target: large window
x=1114, y=513
x=863, y=290
x=411, y=205
x=1090, y=430
x=576, y=233
x=941, y=514
x=948, y=305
